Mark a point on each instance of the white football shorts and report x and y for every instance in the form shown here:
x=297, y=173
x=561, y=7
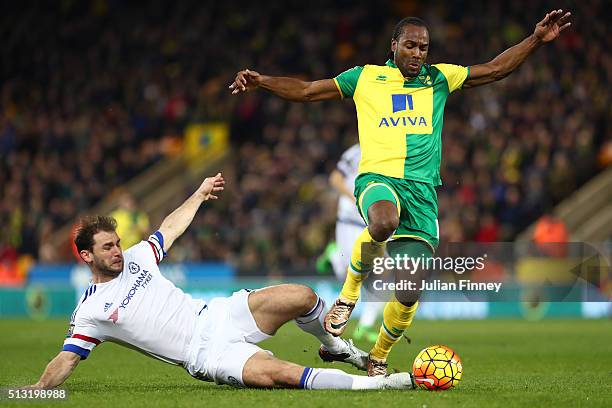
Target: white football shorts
x=226, y=336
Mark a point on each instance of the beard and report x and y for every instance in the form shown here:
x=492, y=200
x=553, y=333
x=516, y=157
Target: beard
x=409, y=72
x=403, y=64
x=109, y=269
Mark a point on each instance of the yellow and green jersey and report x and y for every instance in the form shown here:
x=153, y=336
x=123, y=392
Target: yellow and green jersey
x=400, y=121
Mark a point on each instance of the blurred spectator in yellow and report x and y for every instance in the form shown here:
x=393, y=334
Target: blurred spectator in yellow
x=132, y=224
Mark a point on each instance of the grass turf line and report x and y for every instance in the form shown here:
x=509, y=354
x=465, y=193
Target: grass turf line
x=507, y=363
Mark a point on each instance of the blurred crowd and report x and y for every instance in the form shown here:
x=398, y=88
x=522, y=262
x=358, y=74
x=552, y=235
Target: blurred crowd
x=92, y=93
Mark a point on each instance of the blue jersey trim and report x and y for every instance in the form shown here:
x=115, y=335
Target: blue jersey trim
x=77, y=350
x=160, y=237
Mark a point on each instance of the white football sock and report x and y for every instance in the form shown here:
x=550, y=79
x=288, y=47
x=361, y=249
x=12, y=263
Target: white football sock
x=369, y=312
x=333, y=379
x=312, y=322
x=338, y=264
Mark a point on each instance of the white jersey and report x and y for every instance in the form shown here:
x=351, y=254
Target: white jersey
x=349, y=167
x=140, y=309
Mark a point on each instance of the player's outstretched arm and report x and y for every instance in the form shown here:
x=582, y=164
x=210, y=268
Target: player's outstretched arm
x=177, y=222
x=57, y=371
x=291, y=89
x=505, y=63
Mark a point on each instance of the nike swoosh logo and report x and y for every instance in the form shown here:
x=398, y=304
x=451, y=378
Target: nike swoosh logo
x=338, y=326
x=424, y=380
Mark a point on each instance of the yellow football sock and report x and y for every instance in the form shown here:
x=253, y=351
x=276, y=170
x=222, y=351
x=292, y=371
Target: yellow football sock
x=396, y=319
x=365, y=249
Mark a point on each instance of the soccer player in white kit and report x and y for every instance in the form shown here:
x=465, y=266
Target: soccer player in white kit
x=348, y=227
x=131, y=303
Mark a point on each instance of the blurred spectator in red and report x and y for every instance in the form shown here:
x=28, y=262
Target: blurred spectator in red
x=551, y=236
x=489, y=229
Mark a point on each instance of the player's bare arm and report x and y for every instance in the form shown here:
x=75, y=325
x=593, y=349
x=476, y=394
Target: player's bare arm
x=505, y=63
x=177, y=222
x=337, y=181
x=291, y=89
x=57, y=371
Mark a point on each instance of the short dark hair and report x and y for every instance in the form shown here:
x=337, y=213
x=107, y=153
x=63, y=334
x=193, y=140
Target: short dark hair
x=399, y=27
x=90, y=226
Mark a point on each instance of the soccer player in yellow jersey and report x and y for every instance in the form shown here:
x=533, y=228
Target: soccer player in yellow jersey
x=400, y=107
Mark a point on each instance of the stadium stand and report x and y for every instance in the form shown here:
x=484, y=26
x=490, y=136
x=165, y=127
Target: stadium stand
x=95, y=94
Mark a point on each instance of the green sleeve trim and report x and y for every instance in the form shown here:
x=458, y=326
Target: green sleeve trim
x=347, y=81
x=339, y=89
x=466, y=77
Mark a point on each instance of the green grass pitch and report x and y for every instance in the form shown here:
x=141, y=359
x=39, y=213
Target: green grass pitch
x=507, y=363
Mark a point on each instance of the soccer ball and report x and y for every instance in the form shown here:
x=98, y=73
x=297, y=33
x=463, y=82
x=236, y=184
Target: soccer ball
x=437, y=368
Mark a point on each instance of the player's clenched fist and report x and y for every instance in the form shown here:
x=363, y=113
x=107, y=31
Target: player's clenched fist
x=245, y=80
